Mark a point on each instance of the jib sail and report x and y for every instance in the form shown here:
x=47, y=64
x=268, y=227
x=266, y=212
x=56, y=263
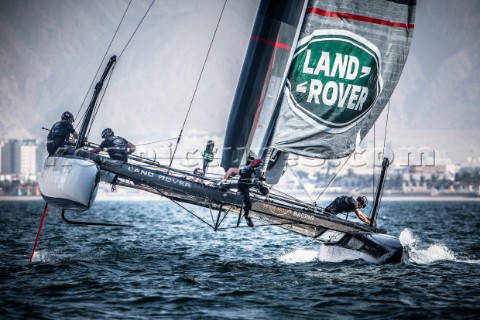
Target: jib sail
x=348, y=60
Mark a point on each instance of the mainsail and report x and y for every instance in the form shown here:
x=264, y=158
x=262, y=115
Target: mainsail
x=346, y=65
x=262, y=78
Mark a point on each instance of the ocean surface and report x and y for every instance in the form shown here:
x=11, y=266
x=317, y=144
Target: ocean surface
x=171, y=265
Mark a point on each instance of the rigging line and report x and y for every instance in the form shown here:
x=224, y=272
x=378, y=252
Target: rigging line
x=153, y=142
x=198, y=82
x=264, y=225
x=224, y=216
x=286, y=195
x=373, y=168
x=386, y=125
x=189, y=211
x=103, y=59
x=334, y=177
x=97, y=106
x=306, y=192
x=124, y=48
x=178, y=204
x=135, y=31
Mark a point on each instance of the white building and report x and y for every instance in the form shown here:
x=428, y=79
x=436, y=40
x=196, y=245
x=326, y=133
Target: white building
x=19, y=158
x=28, y=158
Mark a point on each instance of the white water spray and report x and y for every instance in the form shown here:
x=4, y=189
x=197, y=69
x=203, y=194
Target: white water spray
x=299, y=256
x=435, y=252
x=325, y=254
x=40, y=256
x=339, y=254
x=417, y=252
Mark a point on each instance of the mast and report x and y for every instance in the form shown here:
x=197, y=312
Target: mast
x=263, y=74
x=88, y=114
x=378, y=195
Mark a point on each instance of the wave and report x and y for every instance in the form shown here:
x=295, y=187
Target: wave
x=325, y=254
x=417, y=252
x=420, y=253
x=299, y=256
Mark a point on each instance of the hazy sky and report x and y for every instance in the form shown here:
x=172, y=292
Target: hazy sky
x=50, y=51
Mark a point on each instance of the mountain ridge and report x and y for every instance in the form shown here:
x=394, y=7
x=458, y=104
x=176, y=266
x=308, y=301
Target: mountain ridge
x=50, y=51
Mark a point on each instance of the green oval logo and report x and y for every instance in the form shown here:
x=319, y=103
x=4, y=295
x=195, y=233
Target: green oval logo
x=335, y=77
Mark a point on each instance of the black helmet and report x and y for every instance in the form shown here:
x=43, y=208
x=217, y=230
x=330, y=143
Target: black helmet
x=264, y=190
x=198, y=172
x=107, y=132
x=363, y=200
x=67, y=116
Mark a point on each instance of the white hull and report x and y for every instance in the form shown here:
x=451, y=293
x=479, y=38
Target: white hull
x=69, y=183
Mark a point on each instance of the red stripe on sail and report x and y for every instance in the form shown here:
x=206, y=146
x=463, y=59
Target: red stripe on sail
x=343, y=15
x=271, y=43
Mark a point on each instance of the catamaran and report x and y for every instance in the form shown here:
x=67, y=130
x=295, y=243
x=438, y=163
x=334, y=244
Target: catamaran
x=315, y=78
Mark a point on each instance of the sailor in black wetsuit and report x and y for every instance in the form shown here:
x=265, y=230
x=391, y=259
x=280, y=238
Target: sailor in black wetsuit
x=245, y=182
x=348, y=204
x=59, y=135
x=117, y=147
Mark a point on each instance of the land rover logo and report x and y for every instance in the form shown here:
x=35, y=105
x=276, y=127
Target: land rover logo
x=335, y=77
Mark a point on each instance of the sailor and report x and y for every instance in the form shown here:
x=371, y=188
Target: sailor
x=349, y=204
x=59, y=135
x=198, y=174
x=245, y=182
x=117, y=147
x=208, y=155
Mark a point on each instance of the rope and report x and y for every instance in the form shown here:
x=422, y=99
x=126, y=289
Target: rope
x=135, y=31
x=386, y=125
x=198, y=82
x=99, y=102
x=118, y=58
x=306, y=192
x=373, y=168
x=153, y=142
x=334, y=177
x=189, y=211
x=103, y=59
x=265, y=225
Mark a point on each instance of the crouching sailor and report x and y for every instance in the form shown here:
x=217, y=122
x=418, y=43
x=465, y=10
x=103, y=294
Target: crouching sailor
x=117, y=147
x=349, y=204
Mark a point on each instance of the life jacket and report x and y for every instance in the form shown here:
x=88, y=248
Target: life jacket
x=116, y=147
x=59, y=130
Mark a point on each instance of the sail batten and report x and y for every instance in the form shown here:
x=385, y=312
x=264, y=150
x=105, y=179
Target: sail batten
x=345, y=68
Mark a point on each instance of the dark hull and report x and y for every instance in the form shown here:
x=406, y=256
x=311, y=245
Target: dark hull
x=279, y=210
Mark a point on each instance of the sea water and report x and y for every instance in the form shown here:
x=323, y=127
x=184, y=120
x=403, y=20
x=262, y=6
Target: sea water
x=170, y=265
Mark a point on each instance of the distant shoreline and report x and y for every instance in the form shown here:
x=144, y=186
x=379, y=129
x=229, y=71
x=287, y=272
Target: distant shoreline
x=139, y=197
